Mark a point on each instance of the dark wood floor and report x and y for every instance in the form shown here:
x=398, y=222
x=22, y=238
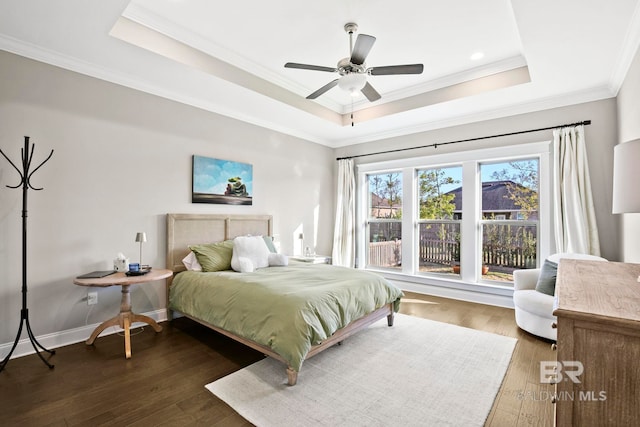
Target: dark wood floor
x=163, y=383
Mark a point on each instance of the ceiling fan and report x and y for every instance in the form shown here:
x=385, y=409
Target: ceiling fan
x=353, y=70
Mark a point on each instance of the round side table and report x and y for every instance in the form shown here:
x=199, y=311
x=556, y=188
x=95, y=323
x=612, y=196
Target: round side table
x=126, y=317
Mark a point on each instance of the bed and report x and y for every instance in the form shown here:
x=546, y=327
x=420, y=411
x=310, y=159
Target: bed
x=289, y=313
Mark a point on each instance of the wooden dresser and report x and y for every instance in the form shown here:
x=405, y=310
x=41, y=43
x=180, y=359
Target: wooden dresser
x=598, y=310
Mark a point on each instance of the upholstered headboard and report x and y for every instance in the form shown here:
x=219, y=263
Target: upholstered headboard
x=190, y=229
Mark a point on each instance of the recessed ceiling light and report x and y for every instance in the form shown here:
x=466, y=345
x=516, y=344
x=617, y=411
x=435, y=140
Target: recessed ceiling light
x=476, y=56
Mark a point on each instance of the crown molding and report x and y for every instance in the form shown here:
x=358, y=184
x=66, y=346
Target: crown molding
x=147, y=18
x=47, y=56
x=486, y=70
x=54, y=58
x=630, y=46
x=155, y=22
x=574, y=98
x=73, y=64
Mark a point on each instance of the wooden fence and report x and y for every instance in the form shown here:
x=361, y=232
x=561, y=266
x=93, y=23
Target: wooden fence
x=439, y=251
x=385, y=254
x=513, y=257
x=389, y=254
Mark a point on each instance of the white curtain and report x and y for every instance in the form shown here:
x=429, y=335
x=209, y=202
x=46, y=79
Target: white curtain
x=574, y=215
x=344, y=233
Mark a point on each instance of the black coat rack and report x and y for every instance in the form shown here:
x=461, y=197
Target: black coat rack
x=25, y=183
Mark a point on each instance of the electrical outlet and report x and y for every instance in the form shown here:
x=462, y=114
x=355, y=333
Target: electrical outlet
x=92, y=298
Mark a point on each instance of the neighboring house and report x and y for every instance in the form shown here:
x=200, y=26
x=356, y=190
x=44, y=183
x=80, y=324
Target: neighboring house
x=381, y=208
x=496, y=202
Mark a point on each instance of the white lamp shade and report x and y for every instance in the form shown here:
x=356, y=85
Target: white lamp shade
x=626, y=177
x=141, y=237
x=352, y=82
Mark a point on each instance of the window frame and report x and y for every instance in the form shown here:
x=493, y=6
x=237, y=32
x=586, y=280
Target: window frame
x=470, y=161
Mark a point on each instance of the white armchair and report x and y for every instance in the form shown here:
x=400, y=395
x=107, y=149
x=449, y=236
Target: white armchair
x=534, y=310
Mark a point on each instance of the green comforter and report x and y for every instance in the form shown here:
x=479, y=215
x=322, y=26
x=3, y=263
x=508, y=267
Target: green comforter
x=287, y=309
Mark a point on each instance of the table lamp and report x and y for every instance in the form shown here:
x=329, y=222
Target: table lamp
x=301, y=238
x=626, y=175
x=141, y=237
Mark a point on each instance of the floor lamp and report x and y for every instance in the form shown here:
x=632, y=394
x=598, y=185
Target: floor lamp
x=626, y=176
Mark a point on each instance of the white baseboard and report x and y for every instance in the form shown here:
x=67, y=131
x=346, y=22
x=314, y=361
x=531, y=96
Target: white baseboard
x=70, y=336
x=500, y=295
x=458, y=294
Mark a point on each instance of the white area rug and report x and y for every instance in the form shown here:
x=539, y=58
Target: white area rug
x=416, y=373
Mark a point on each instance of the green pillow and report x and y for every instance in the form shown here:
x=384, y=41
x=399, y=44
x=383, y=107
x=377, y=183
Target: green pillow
x=547, y=279
x=269, y=241
x=214, y=256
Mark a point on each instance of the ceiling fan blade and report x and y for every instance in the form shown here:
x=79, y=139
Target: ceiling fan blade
x=364, y=43
x=323, y=89
x=397, y=69
x=310, y=67
x=370, y=93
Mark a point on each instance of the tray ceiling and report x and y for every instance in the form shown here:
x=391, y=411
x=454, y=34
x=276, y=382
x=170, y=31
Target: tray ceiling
x=230, y=58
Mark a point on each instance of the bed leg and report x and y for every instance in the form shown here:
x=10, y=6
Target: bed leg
x=292, y=376
x=390, y=319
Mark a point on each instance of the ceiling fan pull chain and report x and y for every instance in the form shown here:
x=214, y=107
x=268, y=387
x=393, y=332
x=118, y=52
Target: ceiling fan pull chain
x=351, y=112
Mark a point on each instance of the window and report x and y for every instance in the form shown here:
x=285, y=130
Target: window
x=471, y=217
x=509, y=217
x=439, y=213
x=384, y=221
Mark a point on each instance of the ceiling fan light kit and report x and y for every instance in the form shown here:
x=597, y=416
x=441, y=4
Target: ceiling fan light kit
x=353, y=70
x=352, y=83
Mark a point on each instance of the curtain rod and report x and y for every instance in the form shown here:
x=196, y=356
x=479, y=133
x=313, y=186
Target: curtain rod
x=437, y=144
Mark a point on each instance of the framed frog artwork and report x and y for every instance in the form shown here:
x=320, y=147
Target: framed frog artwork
x=221, y=181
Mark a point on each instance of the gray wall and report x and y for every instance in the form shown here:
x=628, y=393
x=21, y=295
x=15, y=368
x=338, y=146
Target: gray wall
x=122, y=161
x=629, y=129
x=601, y=137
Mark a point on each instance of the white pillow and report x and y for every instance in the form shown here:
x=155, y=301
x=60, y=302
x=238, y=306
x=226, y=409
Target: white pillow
x=278, y=260
x=191, y=262
x=245, y=265
x=253, y=249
